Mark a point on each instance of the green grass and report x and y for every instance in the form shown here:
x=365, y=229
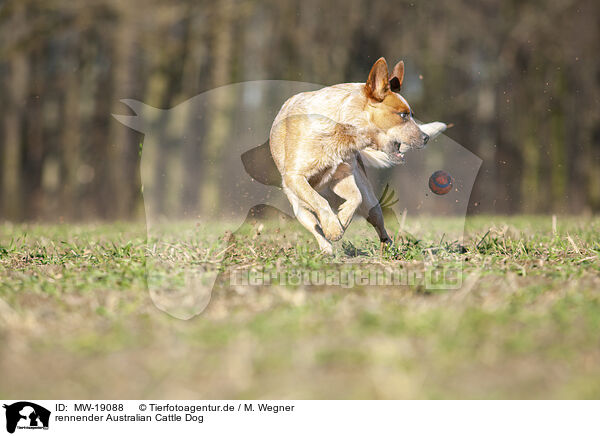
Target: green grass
x=77, y=320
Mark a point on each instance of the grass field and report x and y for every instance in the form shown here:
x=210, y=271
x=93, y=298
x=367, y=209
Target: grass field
x=76, y=319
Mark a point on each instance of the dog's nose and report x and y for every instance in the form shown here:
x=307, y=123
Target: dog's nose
x=425, y=137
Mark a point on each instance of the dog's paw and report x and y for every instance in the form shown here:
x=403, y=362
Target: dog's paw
x=332, y=229
x=326, y=248
x=386, y=240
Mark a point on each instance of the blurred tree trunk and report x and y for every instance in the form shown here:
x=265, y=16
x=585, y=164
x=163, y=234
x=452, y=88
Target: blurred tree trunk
x=128, y=83
x=220, y=115
x=71, y=136
x=487, y=104
x=34, y=150
x=558, y=152
x=161, y=91
x=101, y=189
x=15, y=91
x=16, y=85
x=195, y=68
x=531, y=137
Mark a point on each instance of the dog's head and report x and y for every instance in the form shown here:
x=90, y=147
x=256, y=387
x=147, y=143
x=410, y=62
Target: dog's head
x=390, y=113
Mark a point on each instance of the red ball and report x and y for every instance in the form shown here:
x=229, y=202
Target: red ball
x=440, y=182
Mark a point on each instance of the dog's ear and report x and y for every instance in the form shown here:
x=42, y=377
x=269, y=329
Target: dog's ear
x=397, y=77
x=378, y=85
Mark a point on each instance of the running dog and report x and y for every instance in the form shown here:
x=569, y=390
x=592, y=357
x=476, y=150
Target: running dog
x=321, y=140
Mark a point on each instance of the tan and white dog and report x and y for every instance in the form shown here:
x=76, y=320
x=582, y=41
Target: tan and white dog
x=321, y=140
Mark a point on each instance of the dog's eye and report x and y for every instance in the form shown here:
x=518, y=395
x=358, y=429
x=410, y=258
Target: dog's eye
x=404, y=115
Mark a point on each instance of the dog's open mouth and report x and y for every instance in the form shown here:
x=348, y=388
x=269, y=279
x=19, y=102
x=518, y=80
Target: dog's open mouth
x=399, y=156
x=402, y=148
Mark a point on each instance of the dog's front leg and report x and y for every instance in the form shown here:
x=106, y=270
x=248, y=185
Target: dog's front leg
x=329, y=222
x=344, y=185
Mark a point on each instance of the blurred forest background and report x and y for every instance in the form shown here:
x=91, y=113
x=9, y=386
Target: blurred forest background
x=519, y=79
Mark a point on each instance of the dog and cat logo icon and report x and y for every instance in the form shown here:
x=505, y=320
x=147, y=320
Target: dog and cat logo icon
x=26, y=415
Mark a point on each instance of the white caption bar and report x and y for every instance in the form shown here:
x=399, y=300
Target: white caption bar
x=299, y=417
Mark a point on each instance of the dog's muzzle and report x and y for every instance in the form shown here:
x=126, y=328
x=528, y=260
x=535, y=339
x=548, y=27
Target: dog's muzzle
x=424, y=139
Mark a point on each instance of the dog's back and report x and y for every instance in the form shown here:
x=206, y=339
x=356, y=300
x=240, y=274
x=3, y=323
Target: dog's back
x=338, y=104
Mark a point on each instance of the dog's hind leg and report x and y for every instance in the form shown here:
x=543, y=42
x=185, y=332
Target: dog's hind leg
x=374, y=217
x=309, y=220
x=370, y=207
